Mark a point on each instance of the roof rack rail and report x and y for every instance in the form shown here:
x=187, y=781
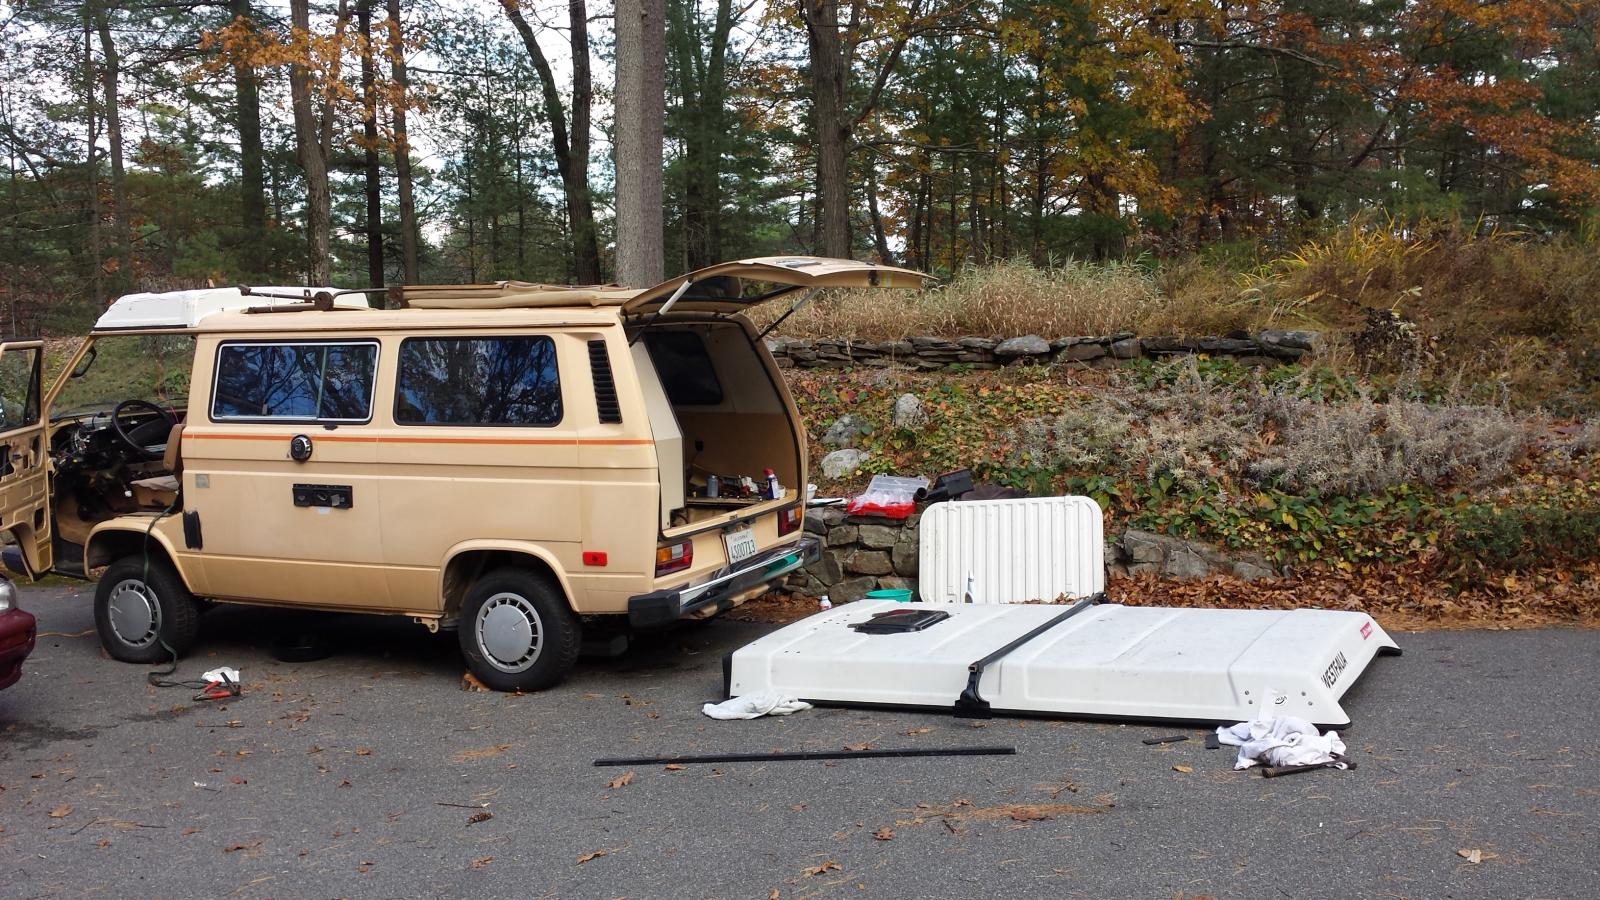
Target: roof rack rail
x=321, y=301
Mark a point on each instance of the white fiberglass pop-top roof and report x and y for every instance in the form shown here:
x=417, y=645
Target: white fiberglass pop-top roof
x=185, y=309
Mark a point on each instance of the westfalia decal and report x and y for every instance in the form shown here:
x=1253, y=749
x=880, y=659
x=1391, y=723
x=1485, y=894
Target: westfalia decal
x=1366, y=630
x=1333, y=670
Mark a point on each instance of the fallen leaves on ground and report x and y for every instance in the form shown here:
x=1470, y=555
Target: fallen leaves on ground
x=964, y=811
x=475, y=818
x=1401, y=597
x=623, y=780
x=470, y=682
x=589, y=856
x=916, y=731
x=883, y=834
x=1471, y=856
x=1184, y=769
x=486, y=752
x=61, y=812
x=676, y=767
x=363, y=751
x=829, y=866
x=247, y=845
x=480, y=862
x=774, y=609
x=857, y=748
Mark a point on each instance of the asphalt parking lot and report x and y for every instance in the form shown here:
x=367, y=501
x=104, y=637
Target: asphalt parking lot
x=372, y=774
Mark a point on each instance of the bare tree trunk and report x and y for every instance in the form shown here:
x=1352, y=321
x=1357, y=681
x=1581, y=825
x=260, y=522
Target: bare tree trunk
x=828, y=120
x=640, y=111
x=585, y=236
x=369, y=135
x=402, y=145
x=252, y=180
x=880, y=238
x=122, y=231
x=313, y=160
x=97, y=289
x=571, y=151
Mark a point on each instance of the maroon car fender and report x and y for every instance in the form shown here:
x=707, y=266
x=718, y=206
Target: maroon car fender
x=18, y=630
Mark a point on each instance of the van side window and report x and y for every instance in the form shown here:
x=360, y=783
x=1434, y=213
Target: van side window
x=684, y=368
x=478, y=381
x=19, y=388
x=294, y=381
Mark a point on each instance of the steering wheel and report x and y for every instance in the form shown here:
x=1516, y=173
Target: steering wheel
x=130, y=436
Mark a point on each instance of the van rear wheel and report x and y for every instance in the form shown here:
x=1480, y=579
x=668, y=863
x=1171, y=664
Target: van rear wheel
x=139, y=606
x=517, y=632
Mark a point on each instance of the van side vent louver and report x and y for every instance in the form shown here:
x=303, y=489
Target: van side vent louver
x=605, y=386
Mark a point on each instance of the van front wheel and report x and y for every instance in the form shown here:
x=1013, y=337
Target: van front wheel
x=143, y=612
x=517, y=632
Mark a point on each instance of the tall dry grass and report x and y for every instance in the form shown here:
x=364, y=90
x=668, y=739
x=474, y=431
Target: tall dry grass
x=1007, y=299
x=1515, y=313
x=1454, y=280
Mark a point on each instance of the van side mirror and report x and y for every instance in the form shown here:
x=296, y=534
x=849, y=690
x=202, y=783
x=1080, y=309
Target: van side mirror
x=84, y=364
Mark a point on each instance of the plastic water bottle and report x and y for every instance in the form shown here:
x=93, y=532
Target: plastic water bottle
x=711, y=486
x=774, y=490
x=824, y=603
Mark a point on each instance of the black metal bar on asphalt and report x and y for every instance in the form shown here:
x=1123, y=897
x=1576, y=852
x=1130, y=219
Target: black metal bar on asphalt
x=971, y=705
x=807, y=754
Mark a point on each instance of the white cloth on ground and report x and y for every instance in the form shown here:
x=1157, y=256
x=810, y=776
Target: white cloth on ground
x=754, y=706
x=219, y=672
x=1281, y=741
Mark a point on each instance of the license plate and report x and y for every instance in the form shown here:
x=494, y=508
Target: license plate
x=741, y=544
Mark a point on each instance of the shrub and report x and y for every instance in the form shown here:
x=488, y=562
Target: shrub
x=1363, y=447
x=1487, y=538
x=1181, y=420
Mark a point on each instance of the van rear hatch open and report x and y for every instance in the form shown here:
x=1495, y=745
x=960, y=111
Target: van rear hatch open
x=723, y=422
x=719, y=412
x=741, y=285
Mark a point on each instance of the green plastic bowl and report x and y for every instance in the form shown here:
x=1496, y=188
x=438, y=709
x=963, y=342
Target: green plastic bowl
x=898, y=595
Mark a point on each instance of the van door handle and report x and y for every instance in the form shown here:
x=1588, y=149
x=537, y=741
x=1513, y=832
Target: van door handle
x=332, y=496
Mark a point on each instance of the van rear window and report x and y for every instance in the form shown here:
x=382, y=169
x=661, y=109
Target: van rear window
x=300, y=381
x=478, y=381
x=684, y=367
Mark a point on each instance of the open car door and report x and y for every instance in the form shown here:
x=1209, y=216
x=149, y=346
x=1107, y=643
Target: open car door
x=740, y=285
x=24, y=453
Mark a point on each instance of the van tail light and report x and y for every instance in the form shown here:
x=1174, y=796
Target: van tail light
x=789, y=520
x=674, y=557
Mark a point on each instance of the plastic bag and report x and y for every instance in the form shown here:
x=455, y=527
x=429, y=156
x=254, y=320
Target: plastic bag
x=888, y=496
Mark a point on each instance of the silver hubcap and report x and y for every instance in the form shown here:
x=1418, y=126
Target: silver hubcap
x=135, y=616
x=510, y=634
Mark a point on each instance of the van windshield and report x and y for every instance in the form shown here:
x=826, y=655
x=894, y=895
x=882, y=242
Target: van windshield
x=153, y=367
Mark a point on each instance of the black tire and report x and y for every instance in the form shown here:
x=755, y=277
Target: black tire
x=507, y=608
x=176, y=619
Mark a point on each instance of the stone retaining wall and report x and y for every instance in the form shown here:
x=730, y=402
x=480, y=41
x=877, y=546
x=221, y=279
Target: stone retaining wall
x=865, y=553
x=926, y=353
x=861, y=553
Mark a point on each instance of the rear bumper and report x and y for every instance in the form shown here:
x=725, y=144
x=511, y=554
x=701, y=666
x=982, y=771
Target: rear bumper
x=17, y=634
x=659, y=608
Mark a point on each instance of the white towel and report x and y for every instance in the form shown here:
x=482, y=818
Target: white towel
x=1281, y=741
x=754, y=706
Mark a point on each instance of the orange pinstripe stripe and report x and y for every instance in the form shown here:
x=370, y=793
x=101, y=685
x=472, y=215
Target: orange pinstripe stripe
x=374, y=439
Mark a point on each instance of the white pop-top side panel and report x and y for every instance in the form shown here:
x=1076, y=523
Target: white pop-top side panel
x=1212, y=665
x=185, y=309
x=1012, y=551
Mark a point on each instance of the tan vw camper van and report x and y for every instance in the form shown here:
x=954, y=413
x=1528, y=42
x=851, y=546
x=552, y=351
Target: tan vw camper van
x=521, y=462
